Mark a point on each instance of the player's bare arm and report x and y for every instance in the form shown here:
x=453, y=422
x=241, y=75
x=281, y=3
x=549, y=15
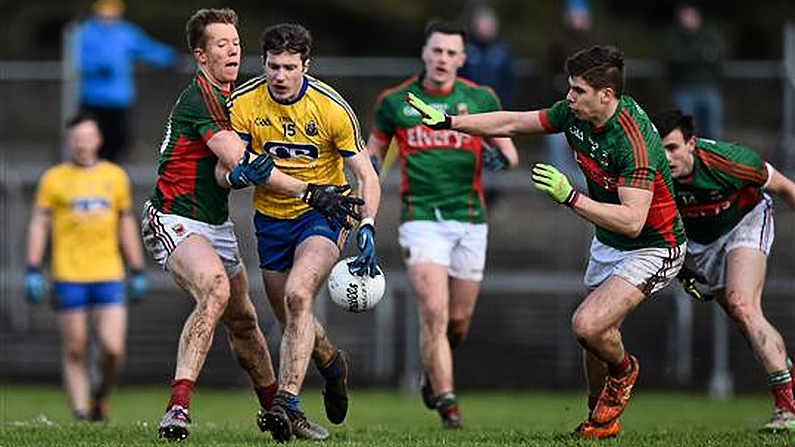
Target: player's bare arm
x=498, y=124
x=38, y=233
x=130, y=240
x=627, y=218
x=377, y=147
x=781, y=186
x=228, y=147
x=489, y=124
x=508, y=149
x=367, y=181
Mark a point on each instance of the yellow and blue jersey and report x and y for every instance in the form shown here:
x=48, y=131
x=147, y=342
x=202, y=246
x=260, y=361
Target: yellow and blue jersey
x=307, y=137
x=85, y=206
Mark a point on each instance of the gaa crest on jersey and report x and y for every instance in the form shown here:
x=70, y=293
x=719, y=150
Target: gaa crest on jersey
x=462, y=108
x=311, y=129
x=179, y=229
x=604, y=159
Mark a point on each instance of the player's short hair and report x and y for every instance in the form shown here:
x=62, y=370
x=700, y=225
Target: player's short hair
x=669, y=120
x=600, y=66
x=289, y=37
x=194, y=29
x=445, y=27
x=79, y=118
x=112, y=7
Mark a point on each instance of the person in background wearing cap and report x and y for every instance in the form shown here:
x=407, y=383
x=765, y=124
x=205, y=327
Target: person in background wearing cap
x=107, y=47
x=576, y=34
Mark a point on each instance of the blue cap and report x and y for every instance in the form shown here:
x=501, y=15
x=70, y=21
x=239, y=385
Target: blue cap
x=578, y=6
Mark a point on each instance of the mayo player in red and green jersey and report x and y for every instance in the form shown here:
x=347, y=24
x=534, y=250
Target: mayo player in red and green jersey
x=443, y=231
x=186, y=226
x=639, y=243
x=721, y=191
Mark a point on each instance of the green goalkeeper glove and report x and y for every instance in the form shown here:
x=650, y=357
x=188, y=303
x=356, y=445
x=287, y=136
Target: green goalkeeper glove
x=554, y=183
x=430, y=116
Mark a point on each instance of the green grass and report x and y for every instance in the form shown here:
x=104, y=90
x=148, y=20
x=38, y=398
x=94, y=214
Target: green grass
x=39, y=416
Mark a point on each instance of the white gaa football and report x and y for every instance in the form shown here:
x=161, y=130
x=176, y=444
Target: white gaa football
x=355, y=293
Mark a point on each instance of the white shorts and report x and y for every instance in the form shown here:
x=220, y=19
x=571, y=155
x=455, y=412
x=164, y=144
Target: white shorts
x=163, y=232
x=459, y=246
x=648, y=269
x=755, y=230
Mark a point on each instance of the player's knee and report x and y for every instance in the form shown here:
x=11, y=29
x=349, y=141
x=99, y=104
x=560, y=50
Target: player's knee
x=585, y=329
x=75, y=352
x=740, y=310
x=457, y=331
x=215, y=295
x=298, y=301
x=114, y=357
x=241, y=323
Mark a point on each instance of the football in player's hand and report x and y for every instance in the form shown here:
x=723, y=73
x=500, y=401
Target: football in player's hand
x=352, y=292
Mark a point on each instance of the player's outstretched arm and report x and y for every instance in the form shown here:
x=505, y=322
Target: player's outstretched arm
x=489, y=124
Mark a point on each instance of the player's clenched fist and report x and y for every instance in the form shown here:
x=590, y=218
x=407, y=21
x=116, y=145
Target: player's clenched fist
x=430, y=116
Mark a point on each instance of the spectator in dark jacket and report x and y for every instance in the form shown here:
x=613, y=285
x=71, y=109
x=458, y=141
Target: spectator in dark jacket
x=577, y=33
x=489, y=58
x=693, y=55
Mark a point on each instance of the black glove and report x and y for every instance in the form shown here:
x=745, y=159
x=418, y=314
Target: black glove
x=493, y=159
x=694, y=284
x=333, y=204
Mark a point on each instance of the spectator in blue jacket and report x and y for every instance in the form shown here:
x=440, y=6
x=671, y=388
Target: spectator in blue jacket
x=107, y=48
x=489, y=61
x=489, y=58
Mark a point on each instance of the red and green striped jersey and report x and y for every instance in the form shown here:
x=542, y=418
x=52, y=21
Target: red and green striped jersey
x=726, y=183
x=626, y=151
x=186, y=183
x=440, y=169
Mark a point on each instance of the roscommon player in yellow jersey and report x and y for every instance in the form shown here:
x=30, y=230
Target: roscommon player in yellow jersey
x=186, y=225
x=85, y=204
x=308, y=129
